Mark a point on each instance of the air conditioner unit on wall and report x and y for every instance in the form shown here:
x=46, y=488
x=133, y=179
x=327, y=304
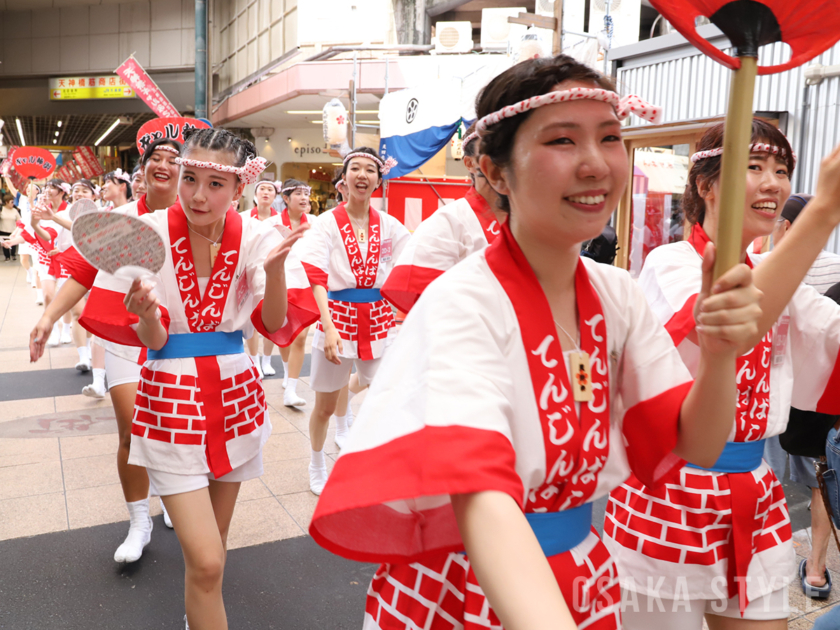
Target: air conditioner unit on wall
x=496, y=31
x=453, y=37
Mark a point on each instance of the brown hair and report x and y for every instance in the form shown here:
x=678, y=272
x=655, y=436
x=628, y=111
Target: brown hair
x=706, y=172
x=532, y=77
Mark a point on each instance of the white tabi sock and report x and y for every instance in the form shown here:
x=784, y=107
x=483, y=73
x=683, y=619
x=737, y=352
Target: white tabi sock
x=350, y=395
x=99, y=376
x=341, y=424
x=285, y=369
x=68, y=328
x=317, y=458
x=84, y=354
x=90, y=339
x=291, y=384
x=139, y=532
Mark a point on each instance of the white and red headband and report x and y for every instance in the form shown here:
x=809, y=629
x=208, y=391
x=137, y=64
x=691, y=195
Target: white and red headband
x=623, y=106
x=167, y=147
x=755, y=147
x=247, y=174
x=268, y=182
x=470, y=137
x=63, y=186
x=307, y=190
x=384, y=167
x=121, y=174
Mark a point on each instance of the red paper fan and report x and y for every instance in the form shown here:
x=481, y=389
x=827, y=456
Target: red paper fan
x=33, y=162
x=111, y=241
x=172, y=128
x=809, y=27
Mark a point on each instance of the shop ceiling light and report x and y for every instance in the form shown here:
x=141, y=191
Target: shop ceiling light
x=20, y=132
x=104, y=135
x=58, y=124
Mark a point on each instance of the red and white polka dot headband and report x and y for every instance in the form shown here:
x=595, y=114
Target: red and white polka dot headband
x=122, y=175
x=247, y=174
x=384, y=167
x=623, y=106
x=755, y=147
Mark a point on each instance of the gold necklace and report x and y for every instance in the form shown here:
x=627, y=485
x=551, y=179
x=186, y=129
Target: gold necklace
x=215, y=246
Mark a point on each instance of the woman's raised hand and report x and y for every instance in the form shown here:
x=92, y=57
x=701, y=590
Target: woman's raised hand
x=727, y=312
x=276, y=259
x=142, y=302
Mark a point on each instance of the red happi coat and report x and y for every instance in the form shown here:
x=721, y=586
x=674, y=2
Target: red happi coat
x=718, y=530
x=476, y=396
x=334, y=259
x=203, y=414
x=451, y=234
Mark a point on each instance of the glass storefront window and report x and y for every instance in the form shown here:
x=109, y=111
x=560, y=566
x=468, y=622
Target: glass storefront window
x=660, y=174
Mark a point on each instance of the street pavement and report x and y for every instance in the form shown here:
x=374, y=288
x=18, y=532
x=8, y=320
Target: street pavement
x=62, y=513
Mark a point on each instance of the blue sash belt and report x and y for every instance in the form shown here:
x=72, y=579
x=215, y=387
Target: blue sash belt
x=357, y=296
x=207, y=344
x=738, y=457
x=558, y=532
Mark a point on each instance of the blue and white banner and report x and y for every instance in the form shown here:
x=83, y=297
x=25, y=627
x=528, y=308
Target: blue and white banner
x=417, y=123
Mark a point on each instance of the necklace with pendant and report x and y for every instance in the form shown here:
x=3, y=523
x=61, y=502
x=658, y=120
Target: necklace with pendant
x=360, y=228
x=215, y=246
x=579, y=369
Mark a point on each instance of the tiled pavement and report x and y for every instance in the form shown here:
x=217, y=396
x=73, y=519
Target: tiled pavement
x=57, y=468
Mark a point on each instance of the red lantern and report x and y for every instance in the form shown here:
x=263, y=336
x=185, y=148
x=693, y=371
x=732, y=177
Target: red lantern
x=172, y=128
x=33, y=162
x=809, y=27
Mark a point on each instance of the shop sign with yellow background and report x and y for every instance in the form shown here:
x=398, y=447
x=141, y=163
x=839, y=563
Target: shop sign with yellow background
x=84, y=88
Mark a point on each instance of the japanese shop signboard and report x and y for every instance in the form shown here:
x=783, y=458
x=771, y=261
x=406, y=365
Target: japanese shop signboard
x=85, y=88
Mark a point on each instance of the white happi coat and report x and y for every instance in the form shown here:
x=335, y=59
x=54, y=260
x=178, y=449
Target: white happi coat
x=327, y=260
x=453, y=410
x=452, y=233
x=170, y=430
x=684, y=530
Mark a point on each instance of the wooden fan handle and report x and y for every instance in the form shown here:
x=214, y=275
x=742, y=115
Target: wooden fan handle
x=734, y=163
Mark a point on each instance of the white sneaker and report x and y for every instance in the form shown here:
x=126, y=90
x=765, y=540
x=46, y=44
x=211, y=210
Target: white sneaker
x=317, y=479
x=83, y=366
x=94, y=391
x=267, y=368
x=66, y=336
x=166, y=520
x=291, y=399
x=135, y=542
x=55, y=337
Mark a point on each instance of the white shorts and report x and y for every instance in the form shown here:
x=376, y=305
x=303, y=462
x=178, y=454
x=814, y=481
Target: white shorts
x=326, y=376
x=659, y=613
x=167, y=483
x=24, y=249
x=120, y=371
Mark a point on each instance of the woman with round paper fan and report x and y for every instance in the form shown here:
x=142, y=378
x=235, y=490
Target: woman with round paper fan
x=716, y=541
x=348, y=255
x=525, y=384
x=200, y=417
x=120, y=363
